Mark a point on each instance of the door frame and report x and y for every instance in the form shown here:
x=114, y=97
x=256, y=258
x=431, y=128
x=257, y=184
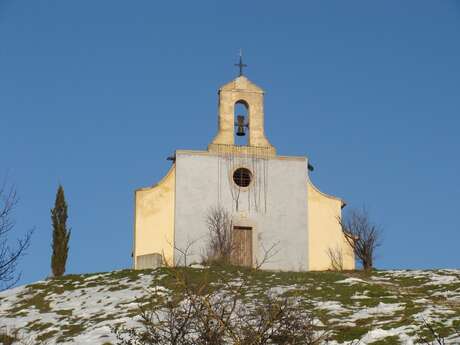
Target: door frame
x=241, y=219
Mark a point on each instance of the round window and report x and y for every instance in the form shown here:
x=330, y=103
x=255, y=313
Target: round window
x=242, y=177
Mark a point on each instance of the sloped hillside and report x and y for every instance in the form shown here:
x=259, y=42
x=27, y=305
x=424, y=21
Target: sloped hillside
x=387, y=307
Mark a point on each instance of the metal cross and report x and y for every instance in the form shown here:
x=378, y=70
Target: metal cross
x=241, y=65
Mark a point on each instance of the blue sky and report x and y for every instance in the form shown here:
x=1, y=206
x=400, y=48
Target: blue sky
x=96, y=94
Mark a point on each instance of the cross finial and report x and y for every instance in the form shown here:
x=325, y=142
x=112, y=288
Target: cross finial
x=241, y=65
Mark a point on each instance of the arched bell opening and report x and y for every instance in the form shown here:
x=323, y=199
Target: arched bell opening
x=241, y=116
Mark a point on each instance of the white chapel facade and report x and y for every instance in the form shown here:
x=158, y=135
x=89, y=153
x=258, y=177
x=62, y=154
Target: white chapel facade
x=271, y=199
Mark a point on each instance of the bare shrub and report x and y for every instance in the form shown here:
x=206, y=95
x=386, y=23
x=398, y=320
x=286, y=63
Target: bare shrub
x=220, y=231
x=8, y=337
x=198, y=312
x=336, y=258
x=13, y=336
x=182, y=254
x=362, y=235
x=269, y=253
x=279, y=321
x=432, y=334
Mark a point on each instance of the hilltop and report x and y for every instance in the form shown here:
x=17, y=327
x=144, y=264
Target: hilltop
x=385, y=307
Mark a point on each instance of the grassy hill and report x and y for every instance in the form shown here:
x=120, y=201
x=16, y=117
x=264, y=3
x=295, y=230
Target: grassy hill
x=385, y=307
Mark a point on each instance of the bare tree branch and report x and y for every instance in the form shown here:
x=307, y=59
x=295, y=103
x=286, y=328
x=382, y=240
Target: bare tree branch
x=10, y=255
x=184, y=253
x=437, y=338
x=268, y=254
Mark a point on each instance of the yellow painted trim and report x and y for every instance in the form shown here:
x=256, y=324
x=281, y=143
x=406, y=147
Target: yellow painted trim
x=154, y=218
x=324, y=230
x=326, y=195
x=170, y=171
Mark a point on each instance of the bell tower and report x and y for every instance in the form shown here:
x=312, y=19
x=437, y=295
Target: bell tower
x=241, y=91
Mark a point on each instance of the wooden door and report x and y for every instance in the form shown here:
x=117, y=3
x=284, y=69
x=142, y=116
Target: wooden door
x=242, y=246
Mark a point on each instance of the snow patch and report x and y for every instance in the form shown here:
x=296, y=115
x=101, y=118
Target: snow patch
x=351, y=281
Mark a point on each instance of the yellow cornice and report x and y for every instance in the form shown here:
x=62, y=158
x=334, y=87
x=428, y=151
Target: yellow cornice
x=170, y=171
x=343, y=203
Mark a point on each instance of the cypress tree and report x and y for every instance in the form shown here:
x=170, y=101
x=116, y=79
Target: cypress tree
x=61, y=234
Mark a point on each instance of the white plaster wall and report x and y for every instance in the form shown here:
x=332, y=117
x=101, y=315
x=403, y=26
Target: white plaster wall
x=197, y=176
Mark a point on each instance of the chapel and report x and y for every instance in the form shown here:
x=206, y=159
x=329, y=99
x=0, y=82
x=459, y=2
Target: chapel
x=270, y=198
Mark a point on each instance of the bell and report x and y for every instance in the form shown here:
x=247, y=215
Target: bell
x=240, y=124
